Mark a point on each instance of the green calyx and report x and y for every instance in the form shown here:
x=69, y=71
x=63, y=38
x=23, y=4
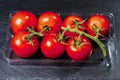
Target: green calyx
x=77, y=42
x=78, y=24
x=31, y=34
x=97, y=30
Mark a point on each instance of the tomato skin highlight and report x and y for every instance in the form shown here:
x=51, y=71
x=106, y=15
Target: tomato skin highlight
x=23, y=48
x=80, y=53
x=51, y=47
x=69, y=23
x=21, y=20
x=51, y=20
x=101, y=22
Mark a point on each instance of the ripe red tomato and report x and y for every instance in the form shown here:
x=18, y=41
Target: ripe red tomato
x=21, y=20
x=79, y=52
x=23, y=48
x=51, y=20
x=51, y=47
x=101, y=22
x=69, y=22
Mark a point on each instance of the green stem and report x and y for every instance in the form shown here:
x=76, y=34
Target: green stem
x=60, y=37
x=101, y=45
x=97, y=30
x=94, y=38
x=77, y=43
x=32, y=33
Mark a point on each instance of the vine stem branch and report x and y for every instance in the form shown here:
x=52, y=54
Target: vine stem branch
x=94, y=38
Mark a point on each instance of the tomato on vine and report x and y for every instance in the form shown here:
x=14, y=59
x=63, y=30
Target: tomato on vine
x=98, y=24
x=79, y=48
x=24, y=43
x=51, y=47
x=73, y=21
x=22, y=47
x=49, y=22
x=21, y=20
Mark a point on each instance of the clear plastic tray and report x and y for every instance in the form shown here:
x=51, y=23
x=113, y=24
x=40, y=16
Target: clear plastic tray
x=96, y=59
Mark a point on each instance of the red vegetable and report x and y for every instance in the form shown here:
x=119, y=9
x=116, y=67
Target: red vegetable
x=50, y=20
x=72, y=22
x=51, y=47
x=79, y=50
x=23, y=48
x=100, y=22
x=21, y=20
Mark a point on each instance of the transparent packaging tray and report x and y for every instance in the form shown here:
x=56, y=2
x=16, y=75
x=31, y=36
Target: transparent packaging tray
x=96, y=59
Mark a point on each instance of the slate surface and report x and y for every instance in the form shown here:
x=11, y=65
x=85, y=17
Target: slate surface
x=29, y=72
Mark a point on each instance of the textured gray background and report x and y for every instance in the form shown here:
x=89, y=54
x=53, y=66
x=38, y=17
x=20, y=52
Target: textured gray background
x=29, y=72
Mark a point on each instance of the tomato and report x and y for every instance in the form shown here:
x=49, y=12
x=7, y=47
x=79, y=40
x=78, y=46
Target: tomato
x=51, y=47
x=51, y=20
x=79, y=52
x=21, y=20
x=101, y=22
x=69, y=22
x=23, y=48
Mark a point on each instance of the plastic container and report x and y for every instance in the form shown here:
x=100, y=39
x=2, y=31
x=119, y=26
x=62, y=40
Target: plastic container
x=96, y=59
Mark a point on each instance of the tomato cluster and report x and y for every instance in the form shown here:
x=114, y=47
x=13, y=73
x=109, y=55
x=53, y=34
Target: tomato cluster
x=58, y=36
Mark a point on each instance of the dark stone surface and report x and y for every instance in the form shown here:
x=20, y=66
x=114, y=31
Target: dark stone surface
x=31, y=72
